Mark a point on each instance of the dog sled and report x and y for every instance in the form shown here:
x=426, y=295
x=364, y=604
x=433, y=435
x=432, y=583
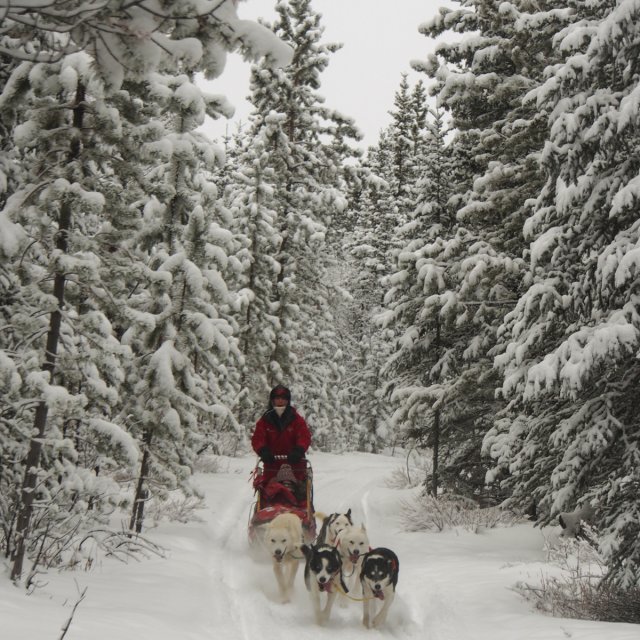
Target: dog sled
x=286, y=491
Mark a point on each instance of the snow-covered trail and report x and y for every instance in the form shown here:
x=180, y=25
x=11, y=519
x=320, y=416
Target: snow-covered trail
x=252, y=608
x=453, y=586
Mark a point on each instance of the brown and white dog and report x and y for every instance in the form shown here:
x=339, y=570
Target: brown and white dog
x=283, y=539
x=323, y=575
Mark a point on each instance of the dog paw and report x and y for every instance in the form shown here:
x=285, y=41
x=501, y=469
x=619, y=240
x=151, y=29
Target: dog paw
x=322, y=618
x=377, y=623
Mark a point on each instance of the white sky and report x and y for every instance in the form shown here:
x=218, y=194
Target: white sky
x=453, y=585
x=380, y=39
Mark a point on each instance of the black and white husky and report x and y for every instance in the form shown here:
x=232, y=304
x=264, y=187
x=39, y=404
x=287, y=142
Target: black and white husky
x=379, y=577
x=332, y=525
x=323, y=574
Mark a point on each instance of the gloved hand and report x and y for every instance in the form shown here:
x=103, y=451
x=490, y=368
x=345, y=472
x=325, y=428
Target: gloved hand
x=266, y=455
x=295, y=455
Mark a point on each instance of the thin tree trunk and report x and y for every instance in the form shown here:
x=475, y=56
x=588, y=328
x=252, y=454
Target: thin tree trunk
x=141, y=495
x=436, y=451
x=436, y=424
x=32, y=462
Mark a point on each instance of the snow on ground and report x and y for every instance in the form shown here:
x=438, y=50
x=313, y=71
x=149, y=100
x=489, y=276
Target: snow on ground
x=453, y=586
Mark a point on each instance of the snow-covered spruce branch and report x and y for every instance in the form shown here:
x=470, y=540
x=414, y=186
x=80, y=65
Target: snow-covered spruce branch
x=50, y=57
x=194, y=16
x=87, y=22
x=492, y=303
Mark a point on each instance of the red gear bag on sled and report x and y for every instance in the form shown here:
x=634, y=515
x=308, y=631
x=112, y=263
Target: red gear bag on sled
x=284, y=493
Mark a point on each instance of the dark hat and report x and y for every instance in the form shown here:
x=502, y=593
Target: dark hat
x=280, y=391
x=285, y=474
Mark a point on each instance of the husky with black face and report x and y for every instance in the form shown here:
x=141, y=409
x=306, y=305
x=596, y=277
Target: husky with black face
x=323, y=574
x=379, y=577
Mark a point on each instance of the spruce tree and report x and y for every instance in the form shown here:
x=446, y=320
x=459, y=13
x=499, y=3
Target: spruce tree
x=305, y=176
x=483, y=81
x=59, y=206
x=388, y=182
x=570, y=367
x=80, y=189
x=253, y=207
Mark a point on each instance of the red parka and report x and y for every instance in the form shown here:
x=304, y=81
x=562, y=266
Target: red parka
x=281, y=435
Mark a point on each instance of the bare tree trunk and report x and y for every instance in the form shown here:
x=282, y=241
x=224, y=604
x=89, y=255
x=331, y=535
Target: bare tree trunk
x=141, y=495
x=436, y=451
x=436, y=424
x=32, y=462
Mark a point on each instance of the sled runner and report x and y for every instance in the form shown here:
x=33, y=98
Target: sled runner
x=284, y=492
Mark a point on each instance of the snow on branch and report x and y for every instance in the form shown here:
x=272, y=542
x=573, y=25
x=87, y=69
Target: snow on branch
x=573, y=362
x=116, y=435
x=135, y=37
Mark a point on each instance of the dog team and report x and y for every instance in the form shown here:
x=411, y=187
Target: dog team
x=339, y=563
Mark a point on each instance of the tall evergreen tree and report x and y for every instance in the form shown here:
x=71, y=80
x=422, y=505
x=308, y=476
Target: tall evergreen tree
x=570, y=366
x=179, y=325
x=63, y=221
x=288, y=124
x=253, y=206
x=386, y=196
x=482, y=81
x=421, y=374
x=70, y=398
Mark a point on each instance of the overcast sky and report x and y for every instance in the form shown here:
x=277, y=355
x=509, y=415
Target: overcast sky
x=380, y=38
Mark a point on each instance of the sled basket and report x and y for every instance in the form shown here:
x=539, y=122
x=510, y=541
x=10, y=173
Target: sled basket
x=284, y=493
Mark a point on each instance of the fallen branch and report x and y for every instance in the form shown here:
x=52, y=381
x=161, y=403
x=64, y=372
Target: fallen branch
x=65, y=628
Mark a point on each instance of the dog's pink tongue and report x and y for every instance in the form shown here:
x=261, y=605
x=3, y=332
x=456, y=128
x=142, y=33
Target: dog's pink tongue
x=379, y=594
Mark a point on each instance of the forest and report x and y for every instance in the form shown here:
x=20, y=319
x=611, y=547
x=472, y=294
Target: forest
x=465, y=287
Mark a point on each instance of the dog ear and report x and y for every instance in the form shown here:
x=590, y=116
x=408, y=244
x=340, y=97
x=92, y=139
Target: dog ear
x=306, y=550
x=348, y=514
x=363, y=527
x=395, y=571
x=361, y=576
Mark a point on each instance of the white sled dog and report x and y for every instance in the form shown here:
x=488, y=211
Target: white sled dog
x=322, y=574
x=352, y=544
x=283, y=539
x=332, y=525
x=379, y=577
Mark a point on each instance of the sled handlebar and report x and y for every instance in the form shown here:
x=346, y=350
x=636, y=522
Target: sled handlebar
x=280, y=457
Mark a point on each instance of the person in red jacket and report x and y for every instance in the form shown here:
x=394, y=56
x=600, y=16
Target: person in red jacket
x=281, y=431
